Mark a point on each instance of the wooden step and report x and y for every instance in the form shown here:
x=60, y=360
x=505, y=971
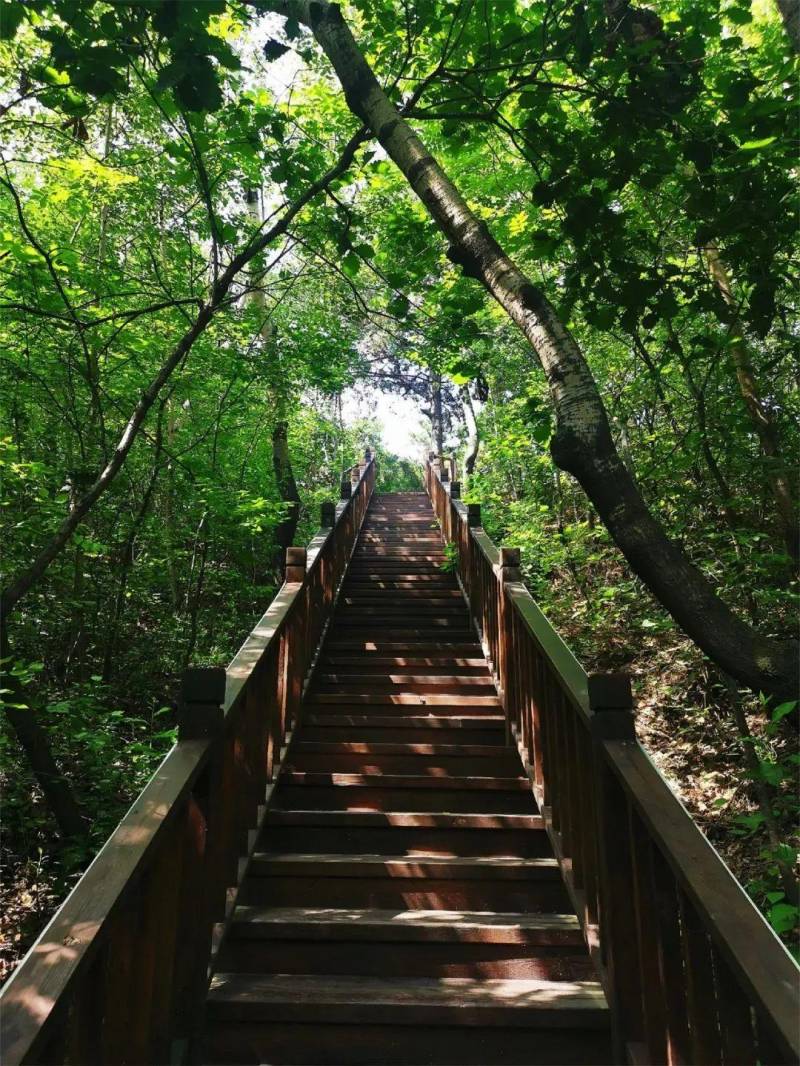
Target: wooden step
x=399, y=597
x=433, y=721
x=399, y=699
x=421, y=682
x=435, y=1001
x=336, y=645
x=398, y=630
x=382, y=795
x=406, y=819
x=458, y=868
x=370, y=748
x=409, y=833
x=383, y=728
x=330, y=923
x=330, y=778
x=415, y=581
x=440, y=664
x=502, y=762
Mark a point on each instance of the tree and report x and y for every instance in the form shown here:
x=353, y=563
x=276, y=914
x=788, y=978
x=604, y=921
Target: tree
x=583, y=444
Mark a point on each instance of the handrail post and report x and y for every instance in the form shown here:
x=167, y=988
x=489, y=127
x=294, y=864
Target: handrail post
x=327, y=514
x=200, y=716
x=345, y=489
x=295, y=564
x=611, y=706
x=507, y=570
x=297, y=649
x=455, y=490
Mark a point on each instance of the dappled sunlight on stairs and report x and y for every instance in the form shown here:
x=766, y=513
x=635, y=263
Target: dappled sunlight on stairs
x=403, y=904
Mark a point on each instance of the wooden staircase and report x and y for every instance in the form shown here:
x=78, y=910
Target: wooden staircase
x=403, y=904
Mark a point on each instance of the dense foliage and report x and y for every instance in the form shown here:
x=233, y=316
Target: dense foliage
x=637, y=163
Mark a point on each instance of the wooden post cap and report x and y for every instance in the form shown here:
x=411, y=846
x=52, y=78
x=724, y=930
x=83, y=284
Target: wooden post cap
x=611, y=704
x=368, y=454
x=203, y=684
x=327, y=514
x=455, y=490
x=508, y=565
x=345, y=489
x=473, y=515
x=295, y=564
x=200, y=712
x=610, y=692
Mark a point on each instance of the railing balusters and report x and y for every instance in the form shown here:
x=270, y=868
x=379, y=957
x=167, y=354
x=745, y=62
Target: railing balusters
x=655, y=1015
x=701, y=997
x=629, y=859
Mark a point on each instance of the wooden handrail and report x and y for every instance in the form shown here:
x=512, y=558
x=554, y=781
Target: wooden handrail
x=692, y=971
x=120, y=972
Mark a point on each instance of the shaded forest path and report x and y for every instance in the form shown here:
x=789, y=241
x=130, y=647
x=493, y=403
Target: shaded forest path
x=405, y=899
x=404, y=826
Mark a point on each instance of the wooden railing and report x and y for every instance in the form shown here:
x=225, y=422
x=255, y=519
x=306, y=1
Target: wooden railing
x=692, y=971
x=120, y=973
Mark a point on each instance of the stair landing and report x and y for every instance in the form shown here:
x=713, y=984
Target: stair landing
x=404, y=904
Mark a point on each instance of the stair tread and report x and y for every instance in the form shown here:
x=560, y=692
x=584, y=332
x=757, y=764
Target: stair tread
x=494, y=997
x=400, y=679
x=405, y=819
x=355, y=747
x=412, y=698
x=431, y=721
x=354, y=923
x=344, y=778
x=362, y=859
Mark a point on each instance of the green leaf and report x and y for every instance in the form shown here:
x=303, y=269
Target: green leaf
x=754, y=146
x=11, y=15
x=274, y=50
x=198, y=89
x=399, y=306
x=782, y=710
x=350, y=264
x=783, y=917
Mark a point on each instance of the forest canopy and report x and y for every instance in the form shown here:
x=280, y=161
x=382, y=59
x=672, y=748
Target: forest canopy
x=568, y=229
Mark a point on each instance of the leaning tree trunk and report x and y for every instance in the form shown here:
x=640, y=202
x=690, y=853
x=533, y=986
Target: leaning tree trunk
x=582, y=444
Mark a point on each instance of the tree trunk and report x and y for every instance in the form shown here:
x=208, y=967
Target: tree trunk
x=760, y=415
x=287, y=487
x=281, y=457
x=473, y=435
x=582, y=444
x=436, y=413
x=790, y=13
x=35, y=743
